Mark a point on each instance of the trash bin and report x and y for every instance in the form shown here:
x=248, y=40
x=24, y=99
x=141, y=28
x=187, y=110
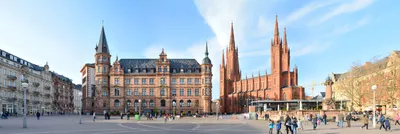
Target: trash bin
x=137, y=117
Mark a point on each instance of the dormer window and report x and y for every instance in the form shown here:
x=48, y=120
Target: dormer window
x=159, y=69
x=137, y=70
x=162, y=60
x=174, y=70
x=182, y=71
x=189, y=70
x=144, y=71
x=197, y=70
x=116, y=70
x=165, y=69
x=129, y=70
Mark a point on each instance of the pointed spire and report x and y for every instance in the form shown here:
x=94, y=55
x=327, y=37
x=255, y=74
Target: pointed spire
x=162, y=52
x=285, y=45
x=116, y=59
x=47, y=63
x=102, y=46
x=232, y=39
x=276, y=32
x=223, y=59
x=206, y=49
x=259, y=73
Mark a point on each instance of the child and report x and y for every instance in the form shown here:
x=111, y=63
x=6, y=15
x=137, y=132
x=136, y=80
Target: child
x=318, y=121
x=387, y=124
x=278, y=126
x=300, y=124
x=271, y=126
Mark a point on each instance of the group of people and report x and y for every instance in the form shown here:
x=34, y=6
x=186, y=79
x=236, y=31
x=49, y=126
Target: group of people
x=292, y=124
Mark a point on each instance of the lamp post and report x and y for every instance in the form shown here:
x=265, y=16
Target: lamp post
x=140, y=107
x=24, y=85
x=80, y=108
x=174, y=105
x=374, y=107
x=217, y=110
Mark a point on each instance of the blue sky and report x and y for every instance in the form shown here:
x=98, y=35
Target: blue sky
x=324, y=35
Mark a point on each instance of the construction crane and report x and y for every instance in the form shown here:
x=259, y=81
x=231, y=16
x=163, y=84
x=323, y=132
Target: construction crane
x=313, y=86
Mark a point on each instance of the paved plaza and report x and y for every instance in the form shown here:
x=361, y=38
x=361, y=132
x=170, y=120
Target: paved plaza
x=187, y=125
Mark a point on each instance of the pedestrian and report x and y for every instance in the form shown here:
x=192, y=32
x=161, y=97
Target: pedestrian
x=341, y=119
x=387, y=124
x=318, y=121
x=271, y=126
x=94, y=116
x=365, y=121
x=306, y=119
x=348, y=119
x=38, y=115
x=294, y=125
x=324, y=118
x=314, y=122
x=288, y=125
x=300, y=124
x=382, y=121
x=397, y=118
x=165, y=119
x=278, y=127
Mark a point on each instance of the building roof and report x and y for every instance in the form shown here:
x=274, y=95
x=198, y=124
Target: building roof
x=102, y=46
x=206, y=60
x=20, y=61
x=320, y=96
x=151, y=64
x=60, y=77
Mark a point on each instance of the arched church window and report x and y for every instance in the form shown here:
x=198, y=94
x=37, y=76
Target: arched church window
x=284, y=96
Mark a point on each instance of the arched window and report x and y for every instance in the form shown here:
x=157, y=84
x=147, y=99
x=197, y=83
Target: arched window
x=116, y=103
x=266, y=97
x=174, y=103
x=136, y=103
x=196, y=103
x=128, y=103
x=159, y=69
x=104, y=69
x=104, y=92
x=104, y=104
x=284, y=96
x=162, y=103
x=152, y=103
x=144, y=103
x=189, y=103
x=116, y=70
x=162, y=92
x=165, y=69
x=181, y=103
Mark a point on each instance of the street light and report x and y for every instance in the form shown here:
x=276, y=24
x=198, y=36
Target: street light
x=80, y=108
x=174, y=105
x=140, y=107
x=217, y=110
x=25, y=86
x=374, y=107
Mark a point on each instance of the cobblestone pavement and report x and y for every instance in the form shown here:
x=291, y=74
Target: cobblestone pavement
x=187, y=125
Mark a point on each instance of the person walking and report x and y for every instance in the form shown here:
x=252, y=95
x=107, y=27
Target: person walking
x=348, y=119
x=324, y=118
x=387, y=124
x=341, y=119
x=278, y=127
x=294, y=125
x=288, y=125
x=365, y=121
x=314, y=122
x=306, y=119
x=38, y=115
x=397, y=118
x=300, y=124
x=271, y=126
x=382, y=121
x=94, y=117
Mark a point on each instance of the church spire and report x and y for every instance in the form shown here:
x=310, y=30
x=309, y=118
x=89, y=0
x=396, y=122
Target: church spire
x=232, y=39
x=102, y=46
x=206, y=53
x=285, y=40
x=223, y=59
x=276, y=32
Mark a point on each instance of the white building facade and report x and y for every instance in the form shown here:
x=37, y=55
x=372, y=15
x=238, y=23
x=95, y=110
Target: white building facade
x=39, y=92
x=88, y=82
x=77, y=98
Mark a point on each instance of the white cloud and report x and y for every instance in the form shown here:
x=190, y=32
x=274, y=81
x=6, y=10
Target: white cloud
x=344, y=8
x=311, y=7
x=307, y=49
x=348, y=27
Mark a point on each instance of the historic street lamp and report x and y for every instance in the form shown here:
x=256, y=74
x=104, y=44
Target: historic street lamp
x=80, y=108
x=25, y=86
x=140, y=107
x=374, y=107
x=174, y=105
x=217, y=110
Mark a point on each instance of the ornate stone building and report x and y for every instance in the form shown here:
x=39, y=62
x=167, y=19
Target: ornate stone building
x=63, y=94
x=39, y=92
x=282, y=84
x=160, y=85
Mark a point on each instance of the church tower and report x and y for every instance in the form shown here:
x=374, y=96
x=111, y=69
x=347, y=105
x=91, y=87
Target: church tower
x=102, y=77
x=276, y=62
x=206, y=76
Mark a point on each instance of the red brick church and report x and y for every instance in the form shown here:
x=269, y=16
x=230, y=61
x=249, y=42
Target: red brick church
x=282, y=84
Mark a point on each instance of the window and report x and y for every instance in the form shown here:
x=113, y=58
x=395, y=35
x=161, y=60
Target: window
x=116, y=92
x=116, y=103
x=189, y=92
x=144, y=81
x=162, y=92
x=182, y=81
x=137, y=70
x=104, y=93
x=159, y=69
x=196, y=92
x=165, y=69
x=98, y=81
x=136, y=103
x=284, y=96
x=189, y=103
x=162, y=59
x=104, y=59
x=98, y=69
x=151, y=91
x=144, y=70
x=181, y=103
x=116, y=80
x=151, y=81
x=128, y=102
x=189, y=80
x=136, y=81
x=104, y=82
x=197, y=81
x=181, y=92
x=144, y=103
x=104, y=70
x=116, y=70
x=129, y=70
x=136, y=92
x=173, y=81
x=196, y=103
x=162, y=103
x=128, y=92
x=127, y=81
x=152, y=103
x=104, y=104
x=144, y=91
x=162, y=81
x=207, y=80
x=173, y=92
x=174, y=70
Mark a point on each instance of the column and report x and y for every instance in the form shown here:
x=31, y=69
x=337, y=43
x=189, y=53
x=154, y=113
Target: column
x=287, y=106
x=1, y=104
x=301, y=105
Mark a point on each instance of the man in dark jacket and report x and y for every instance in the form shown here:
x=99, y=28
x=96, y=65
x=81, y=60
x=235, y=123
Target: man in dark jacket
x=382, y=121
x=348, y=119
x=324, y=118
x=288, y=124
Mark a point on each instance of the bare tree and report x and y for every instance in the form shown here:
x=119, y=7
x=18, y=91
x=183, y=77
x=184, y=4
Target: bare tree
x=391, y=84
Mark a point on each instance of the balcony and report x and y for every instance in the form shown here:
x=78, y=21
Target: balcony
x=36, y=84
x=35, y=93
x=12, y=88
x=35, y=101
x=47, y=103
x=12, y=99
x=47, y=87
x=47, y=95
x=11, y=77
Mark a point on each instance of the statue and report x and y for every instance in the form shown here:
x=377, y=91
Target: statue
x=328, y=103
